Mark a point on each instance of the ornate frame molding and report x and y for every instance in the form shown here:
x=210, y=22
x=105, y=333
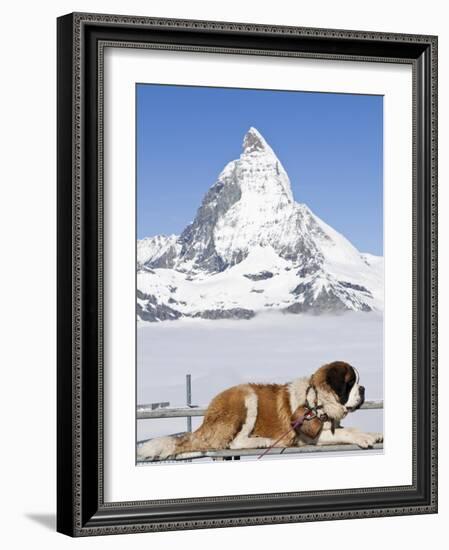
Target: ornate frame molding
x=81, y=42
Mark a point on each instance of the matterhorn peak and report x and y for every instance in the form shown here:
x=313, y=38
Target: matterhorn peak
x=254, y=141
x=261, y=170
x=266, y=251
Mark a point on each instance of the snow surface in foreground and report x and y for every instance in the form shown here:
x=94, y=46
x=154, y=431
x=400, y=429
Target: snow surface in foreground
x=271, y=347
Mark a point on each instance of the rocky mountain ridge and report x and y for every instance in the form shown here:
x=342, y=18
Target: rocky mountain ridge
x=252, y=248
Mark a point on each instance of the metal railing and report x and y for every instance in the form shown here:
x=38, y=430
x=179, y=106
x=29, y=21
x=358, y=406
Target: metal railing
x=235, y=454
x=147, y=411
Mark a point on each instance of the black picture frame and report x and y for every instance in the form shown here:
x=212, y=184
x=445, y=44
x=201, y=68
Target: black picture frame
x=81, y=510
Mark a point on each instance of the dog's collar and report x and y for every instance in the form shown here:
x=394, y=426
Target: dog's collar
x=314, y=409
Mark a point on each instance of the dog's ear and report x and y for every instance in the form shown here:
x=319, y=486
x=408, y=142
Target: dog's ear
x=335, y=378
x=339, y=377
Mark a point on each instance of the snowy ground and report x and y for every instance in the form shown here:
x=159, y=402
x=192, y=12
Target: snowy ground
x=272, y=347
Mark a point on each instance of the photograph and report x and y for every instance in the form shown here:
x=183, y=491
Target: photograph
x=259, y=274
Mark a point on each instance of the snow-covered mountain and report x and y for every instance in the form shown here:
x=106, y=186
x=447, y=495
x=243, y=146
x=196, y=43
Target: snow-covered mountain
x=158, y=251
x=251, y=248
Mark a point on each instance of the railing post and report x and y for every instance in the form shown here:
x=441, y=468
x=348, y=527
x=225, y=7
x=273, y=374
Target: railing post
x=189, y=399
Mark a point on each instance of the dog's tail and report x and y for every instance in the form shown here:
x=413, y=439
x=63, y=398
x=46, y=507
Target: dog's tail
x=203, y=439
x=158, y=448
x=220, y=426
x=162, y=448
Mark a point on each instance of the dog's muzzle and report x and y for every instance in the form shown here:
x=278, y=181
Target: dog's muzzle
x=360, y=400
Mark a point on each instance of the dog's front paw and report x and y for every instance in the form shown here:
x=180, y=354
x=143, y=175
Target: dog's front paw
x=366, y=440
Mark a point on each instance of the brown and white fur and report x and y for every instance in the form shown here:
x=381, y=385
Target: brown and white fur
x=256, y=415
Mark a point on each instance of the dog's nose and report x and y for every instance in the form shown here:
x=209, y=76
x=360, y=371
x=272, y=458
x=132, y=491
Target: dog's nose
x=362, y=391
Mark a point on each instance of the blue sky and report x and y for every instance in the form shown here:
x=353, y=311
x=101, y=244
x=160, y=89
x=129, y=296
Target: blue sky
x=330, y=145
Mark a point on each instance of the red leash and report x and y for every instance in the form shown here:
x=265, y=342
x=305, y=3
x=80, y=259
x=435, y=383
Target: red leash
x=296, y=424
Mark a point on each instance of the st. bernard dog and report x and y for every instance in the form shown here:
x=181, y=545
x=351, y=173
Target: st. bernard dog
x=303, y=412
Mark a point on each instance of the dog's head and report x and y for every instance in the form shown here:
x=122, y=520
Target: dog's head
x=337, y=389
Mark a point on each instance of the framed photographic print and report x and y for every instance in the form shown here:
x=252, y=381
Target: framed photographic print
x=247, y=250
